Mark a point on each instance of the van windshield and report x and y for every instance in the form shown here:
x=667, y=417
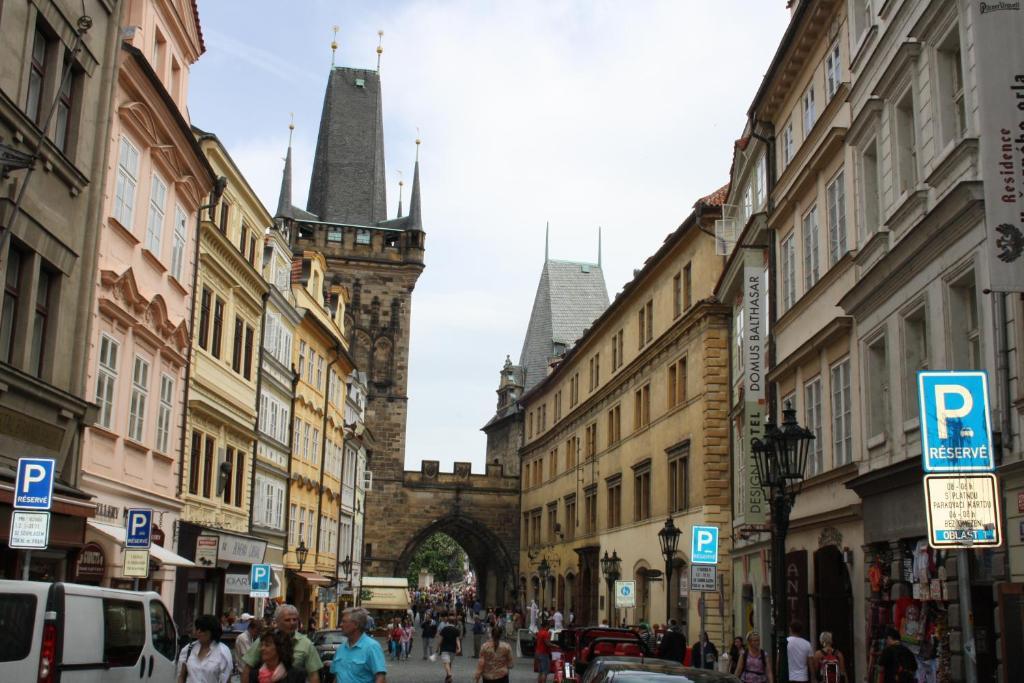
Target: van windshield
x=17, y=623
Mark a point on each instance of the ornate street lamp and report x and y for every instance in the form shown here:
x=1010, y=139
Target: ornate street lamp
x=301, y=553
x=543, y=569
x=610, y=566
x=669, y=539
x=346, y=566
x=781, y=457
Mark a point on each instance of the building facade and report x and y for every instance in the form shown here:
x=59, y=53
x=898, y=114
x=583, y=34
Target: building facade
x=48, y=247
x=220, y=434
x=355, y=480
x=156, y=179
x=629, y=429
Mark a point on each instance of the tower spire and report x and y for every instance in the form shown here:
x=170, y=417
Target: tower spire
x=380, y=47
x=334, y=43
x=415, y=219
x=547, y=237
x=599, y=246
x=284, y=201
x=400, y=184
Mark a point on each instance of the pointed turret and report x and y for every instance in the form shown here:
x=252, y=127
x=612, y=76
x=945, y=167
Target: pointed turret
x=284, y=200
x=415, y=219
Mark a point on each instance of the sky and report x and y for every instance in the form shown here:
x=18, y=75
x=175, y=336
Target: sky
x=584, y=114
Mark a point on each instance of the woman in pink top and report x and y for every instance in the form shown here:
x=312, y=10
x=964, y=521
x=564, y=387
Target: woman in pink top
x=406, y=638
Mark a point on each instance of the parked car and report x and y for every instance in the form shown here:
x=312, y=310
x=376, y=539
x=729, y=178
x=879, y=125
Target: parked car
x=71, y=633
x=650, y=671
x=326, y=644
x=580, y=646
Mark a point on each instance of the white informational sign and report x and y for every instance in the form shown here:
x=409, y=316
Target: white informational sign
x=625, y=594
x=237, y=584
x=207, y=546
x=999, y=91
x=963, y=510
x=755, y=329
x=29, y=529
x=136, y=563
x=703, y=578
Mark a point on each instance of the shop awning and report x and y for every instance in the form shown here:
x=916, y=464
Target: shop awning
x=158, y=553
x=314, y=578
x=381, y=592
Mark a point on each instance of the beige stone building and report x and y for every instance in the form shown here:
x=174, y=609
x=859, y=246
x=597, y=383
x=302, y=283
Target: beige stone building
x=629, y=429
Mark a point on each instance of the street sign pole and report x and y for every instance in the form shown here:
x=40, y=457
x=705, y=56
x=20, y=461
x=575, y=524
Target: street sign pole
x=26, y=565
x=963, y=580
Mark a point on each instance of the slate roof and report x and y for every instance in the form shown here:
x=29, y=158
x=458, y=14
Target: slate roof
x=347, y=185
x=570, y=296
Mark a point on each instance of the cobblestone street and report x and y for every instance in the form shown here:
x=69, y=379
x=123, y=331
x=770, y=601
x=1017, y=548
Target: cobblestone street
x=416, y=670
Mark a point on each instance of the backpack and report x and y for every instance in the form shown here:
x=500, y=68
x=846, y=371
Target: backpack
x=828, y=671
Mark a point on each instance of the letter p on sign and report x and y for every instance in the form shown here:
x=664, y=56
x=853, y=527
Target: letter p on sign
x=944, y=412
x=138, y=527
x=704, y=549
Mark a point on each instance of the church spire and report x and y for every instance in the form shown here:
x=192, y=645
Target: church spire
x=400, y=184
x=547, y=238
x=415, y=220
x=284, y=201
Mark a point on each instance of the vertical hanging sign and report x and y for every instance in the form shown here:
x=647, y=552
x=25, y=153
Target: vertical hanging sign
x=753, y=353
x=999, y=73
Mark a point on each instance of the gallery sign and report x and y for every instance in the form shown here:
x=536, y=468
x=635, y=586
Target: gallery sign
x=999, y=93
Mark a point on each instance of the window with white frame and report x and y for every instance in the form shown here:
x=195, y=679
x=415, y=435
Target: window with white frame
x=140, y=392
x=833, y=71
x=106, y=380
x=155, y=222
x=863, y=17
x=127, y=181
x=760, y=181
x=788, y=267
x=906, y=142
x=842, y=438
x=163, y=419
x=835, y=196
x=305, y=442
x=812, y=420
x=810, y=114
x=809, y=230
x=268, y=507
x=178, y=247
x=872, y=198
x=293, y=525
x=965, y=323
x=915, y=357
x=877, y=387
x=788, y=143
x=316, y=444
x=952, y=110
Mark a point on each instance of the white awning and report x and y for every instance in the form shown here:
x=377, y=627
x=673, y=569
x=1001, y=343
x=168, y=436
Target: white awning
x=159, y=553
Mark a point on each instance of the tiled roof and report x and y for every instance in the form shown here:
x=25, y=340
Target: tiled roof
x=716, y=198
x=570, y=296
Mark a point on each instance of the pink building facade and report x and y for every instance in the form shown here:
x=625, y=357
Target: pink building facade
x=156, y=180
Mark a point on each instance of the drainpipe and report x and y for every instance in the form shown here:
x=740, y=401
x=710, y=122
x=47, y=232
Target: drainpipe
x=259, y=391
x=291, y=450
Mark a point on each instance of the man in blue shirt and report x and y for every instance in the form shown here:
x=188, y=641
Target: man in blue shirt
x=360, y=658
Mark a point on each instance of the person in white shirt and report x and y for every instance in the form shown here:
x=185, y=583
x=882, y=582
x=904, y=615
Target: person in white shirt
x=557, y=618
x=245, y=640
x=800, y=653
x=206, y=659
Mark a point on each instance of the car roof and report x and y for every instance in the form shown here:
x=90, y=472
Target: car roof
x=638, y=663
x=662, y=671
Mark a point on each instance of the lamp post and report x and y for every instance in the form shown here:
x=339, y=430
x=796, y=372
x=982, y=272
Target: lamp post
x=301, y=553
x=669, y=539
x=544, y=569
x=610, y=566
x=781, y=457
x=346, y=565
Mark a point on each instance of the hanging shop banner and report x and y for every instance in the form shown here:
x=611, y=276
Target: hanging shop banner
x=754, y=370
x=999, y=91
x=963, y=510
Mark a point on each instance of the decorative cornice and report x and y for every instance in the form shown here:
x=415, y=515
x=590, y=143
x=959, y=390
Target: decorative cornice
x=146, y=314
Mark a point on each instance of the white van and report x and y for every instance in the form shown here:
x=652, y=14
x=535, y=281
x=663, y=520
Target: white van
x=70, y=633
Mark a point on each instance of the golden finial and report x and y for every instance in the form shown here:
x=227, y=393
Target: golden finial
x=291, y=127
x=380, y=47
x=417, y=143
x=334, y=43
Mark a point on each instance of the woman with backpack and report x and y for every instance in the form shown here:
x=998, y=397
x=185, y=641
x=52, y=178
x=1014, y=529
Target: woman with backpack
x=754, y=666
x=828, y=662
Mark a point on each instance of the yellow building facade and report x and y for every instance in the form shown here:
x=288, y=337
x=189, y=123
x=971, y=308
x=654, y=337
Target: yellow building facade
x=321, y=359
x=629, y=429
x=220, y=431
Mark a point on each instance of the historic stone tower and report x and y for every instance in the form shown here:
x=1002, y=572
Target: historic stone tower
x=378, y=261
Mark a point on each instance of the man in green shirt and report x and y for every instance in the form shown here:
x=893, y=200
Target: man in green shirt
x=286, y=619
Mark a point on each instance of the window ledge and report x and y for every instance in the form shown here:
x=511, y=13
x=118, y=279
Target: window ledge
x=104, y=432
x=153, y=259
x=123, y=231
x=135, y=445
x=160, y=455
x=911, y=425
x=876, y=441
x=177, y=285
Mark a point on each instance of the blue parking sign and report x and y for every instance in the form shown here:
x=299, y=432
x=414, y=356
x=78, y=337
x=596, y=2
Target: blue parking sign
x=138, y=527
x=259, y=581
x=704, y=546
x=956, y=431
x=33, y=487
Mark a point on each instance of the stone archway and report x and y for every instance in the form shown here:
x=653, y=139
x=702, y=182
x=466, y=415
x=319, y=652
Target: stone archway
x=490, y=559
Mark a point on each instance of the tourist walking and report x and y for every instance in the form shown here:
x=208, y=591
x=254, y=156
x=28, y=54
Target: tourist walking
x=450, y=645
x=799, y=651
x=542, y=652
x=245, y=640
x=897, y=661
x=478, y=635
x=205, y=659
x=429, y=633
x=495, y=659
x=557, y=618
x=828, y=663
x=673, y=644
x=359, y=658
x=736, y=651
x=705, y=654
x=277, y=653
x=754, y=666
x=406, y=638
x=286, y=619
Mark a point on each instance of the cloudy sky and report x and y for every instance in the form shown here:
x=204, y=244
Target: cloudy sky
x=585, y=114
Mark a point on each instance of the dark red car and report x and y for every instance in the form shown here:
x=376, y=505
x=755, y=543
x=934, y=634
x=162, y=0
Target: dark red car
x=580, y=646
